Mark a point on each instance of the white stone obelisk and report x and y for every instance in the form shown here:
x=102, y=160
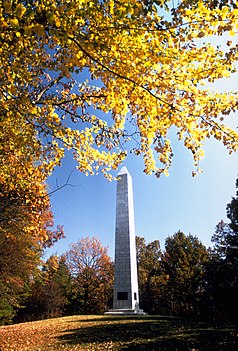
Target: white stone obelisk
x=125, y=295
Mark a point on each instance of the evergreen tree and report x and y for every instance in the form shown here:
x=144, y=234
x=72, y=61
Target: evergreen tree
x=184, y=262
x=232, y=237
x=150, y=276
x=49, y=291
x=223, y=267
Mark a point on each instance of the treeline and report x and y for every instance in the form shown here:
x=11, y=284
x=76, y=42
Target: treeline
x=185, y=279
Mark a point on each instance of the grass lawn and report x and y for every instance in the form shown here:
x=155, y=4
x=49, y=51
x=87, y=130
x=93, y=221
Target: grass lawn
x=135, y=333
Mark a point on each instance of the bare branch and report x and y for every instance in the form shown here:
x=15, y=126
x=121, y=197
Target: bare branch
x=59, y=187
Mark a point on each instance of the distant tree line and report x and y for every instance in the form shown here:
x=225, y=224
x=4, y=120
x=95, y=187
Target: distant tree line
x=185, y=279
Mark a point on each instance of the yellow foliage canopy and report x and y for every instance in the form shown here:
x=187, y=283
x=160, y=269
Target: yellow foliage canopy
x=95, y=75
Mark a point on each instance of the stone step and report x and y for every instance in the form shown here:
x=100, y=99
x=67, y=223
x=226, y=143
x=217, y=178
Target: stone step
x=125, y=312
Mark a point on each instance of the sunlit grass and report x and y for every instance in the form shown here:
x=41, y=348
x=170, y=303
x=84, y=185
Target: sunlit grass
x=118, y=333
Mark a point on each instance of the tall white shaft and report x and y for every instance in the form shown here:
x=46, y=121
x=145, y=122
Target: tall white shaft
x=125, y=279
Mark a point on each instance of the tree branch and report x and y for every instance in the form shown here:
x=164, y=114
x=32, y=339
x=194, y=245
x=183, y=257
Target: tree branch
x=50, y=85
x=64, y=185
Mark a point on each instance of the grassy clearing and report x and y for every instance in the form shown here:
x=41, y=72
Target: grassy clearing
x=118, y=333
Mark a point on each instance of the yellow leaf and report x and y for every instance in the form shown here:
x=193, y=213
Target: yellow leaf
x=20, y=10
x=14, y=22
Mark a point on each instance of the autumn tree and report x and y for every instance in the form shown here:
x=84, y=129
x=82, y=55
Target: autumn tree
x=184, y=260
x=92, y=272
x=90, y=76
x=26, y=219
x=26, y=225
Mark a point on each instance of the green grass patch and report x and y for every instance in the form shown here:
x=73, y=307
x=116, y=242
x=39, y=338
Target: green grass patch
x=134, y=333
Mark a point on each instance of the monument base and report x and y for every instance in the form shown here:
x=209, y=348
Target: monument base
x=125, y=312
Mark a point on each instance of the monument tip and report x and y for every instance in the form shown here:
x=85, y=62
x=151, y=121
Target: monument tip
x=124, y=170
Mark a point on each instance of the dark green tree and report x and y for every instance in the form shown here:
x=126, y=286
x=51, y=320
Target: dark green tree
x=232, y=237
x=150, y=275
x=49, y=291
x=223, y=266
x=184, y=261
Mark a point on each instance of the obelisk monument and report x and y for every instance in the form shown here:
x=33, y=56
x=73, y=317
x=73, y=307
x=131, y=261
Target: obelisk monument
x=125, y=295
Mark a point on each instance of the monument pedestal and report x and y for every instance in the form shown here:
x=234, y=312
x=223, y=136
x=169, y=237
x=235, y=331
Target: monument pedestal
x=125, y=312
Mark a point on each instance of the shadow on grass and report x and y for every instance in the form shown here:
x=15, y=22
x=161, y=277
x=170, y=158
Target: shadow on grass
x=152, y=333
